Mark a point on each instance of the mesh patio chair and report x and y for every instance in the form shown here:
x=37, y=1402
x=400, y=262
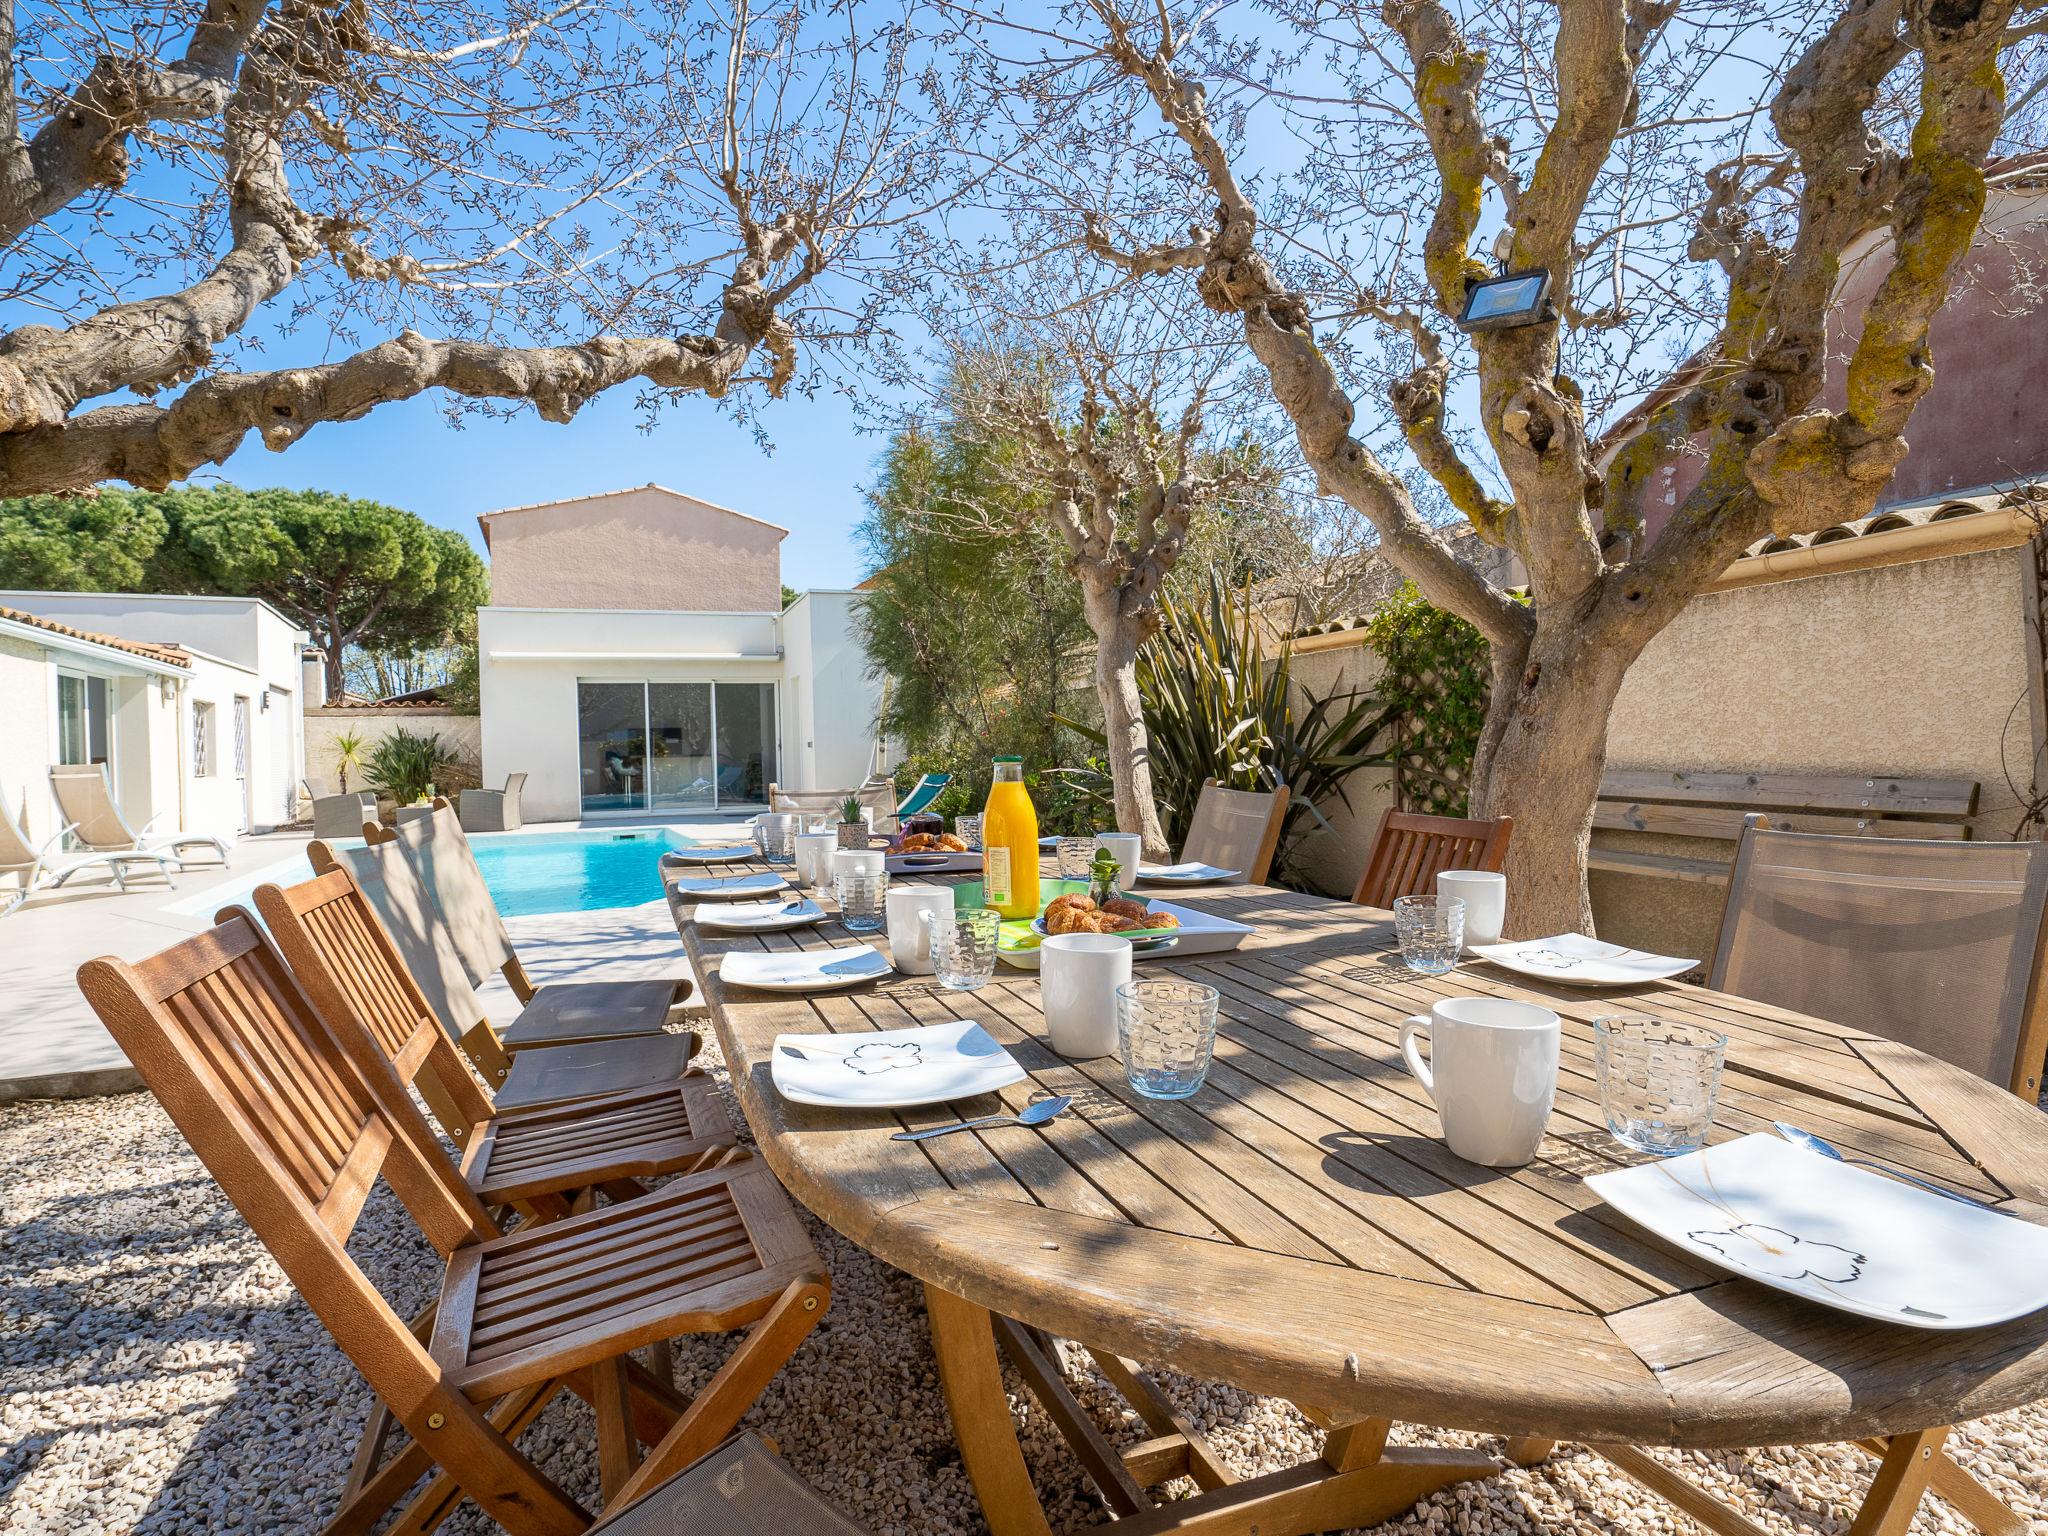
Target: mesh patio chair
x=1410, y=850
x=372, y=1007
x=877, y=795
x=459, y=902
x=343, y=815
x=87, y=800
x=740, y=1489
x=1236, y=829
x=603, y=1058
x=492, y=810
x=47, y=867
x=223, y=1035
x=1938, y=945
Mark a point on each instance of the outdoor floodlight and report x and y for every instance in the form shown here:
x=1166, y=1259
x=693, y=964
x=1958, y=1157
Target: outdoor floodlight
x=1513, y=298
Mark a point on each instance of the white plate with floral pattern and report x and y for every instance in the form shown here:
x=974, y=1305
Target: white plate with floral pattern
x=892, y=1068
x=807, y=970
x=759, y=916
x=1844, y=1237
x=1577, y=961
x=728, y=887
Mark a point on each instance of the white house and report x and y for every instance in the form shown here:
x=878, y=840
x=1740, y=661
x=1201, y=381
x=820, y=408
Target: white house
x=636, y=660
x=193, y=703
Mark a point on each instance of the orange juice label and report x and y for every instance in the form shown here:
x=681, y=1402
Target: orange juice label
x=995, y=876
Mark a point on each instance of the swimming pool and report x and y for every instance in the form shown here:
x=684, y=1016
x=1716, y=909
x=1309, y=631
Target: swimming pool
x=528, y=872
x=585, y=871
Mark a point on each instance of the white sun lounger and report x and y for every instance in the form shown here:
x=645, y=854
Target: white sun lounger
x=88, y=801
x=46, y=868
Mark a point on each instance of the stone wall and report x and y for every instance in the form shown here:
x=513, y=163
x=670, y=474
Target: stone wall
x=461, y=734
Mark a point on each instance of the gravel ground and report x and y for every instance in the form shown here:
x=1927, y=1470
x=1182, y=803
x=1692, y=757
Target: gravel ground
x=159, y=1374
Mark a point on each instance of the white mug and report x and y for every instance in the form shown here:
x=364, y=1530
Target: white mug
x=1486, y=902
x=1078, y=974
x=1127, y=848
x=857, y=861
x=909, y=934
x=1492, y=1070
x=814, y=852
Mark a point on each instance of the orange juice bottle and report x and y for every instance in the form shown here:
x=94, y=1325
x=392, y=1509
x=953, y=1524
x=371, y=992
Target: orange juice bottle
x=1009, y=843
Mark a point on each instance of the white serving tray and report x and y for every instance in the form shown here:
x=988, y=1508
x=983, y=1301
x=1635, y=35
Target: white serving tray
x=804, y=970
x=759, y=916
x=940, y=863
x=1577, y=961
x=1186, y=874
x=893, y=1068
x=1200, y=933
x=1845, y=1237
x=729, y=887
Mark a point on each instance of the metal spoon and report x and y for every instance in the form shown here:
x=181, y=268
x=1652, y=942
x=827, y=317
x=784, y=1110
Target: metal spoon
x=1033, y=1114
x=1813, y=1143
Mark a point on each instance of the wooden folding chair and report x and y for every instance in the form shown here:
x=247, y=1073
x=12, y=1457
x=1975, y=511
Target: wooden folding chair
x=1410, y=850
x=1236, y=829
x=602, y=1060
x=374, y=1011
x=232, y=1047
x=555, y=1013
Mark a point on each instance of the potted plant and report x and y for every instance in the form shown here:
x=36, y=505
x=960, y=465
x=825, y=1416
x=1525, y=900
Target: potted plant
x=1103, y=871
x=853, y=827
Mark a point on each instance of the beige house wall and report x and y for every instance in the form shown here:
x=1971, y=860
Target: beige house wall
x=1917, y=669
x=463, y=735
x=1334, y=859
x=649, y=549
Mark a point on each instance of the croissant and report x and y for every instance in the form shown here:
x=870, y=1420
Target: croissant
x=948, y=843
x=1070, y=914
x=1123, y=906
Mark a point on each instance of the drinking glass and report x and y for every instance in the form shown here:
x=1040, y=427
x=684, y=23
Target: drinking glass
x=1167, y=1030
x=1658, y=1082
x=1075, y=854
x=775, y=836
x=863, y=901
x=1431, y=930
x=968, y=830
x=964, y=947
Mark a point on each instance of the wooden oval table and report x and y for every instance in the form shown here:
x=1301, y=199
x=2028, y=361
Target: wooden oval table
x=1299, y=1229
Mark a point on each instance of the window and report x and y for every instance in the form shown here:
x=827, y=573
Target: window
x=203, y=755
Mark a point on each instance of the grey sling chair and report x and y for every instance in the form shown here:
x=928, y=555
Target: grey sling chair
x=1934, y=944
x=1236, y=829
x=538, y=1070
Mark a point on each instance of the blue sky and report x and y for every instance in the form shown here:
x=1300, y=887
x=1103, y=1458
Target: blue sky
x=409, y=456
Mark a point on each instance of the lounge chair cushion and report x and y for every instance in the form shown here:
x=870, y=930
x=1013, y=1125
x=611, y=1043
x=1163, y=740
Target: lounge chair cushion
x=570, y=1012
x=740, y=1489
x=560, y=1073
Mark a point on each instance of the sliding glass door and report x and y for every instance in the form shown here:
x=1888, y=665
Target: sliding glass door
x=84, y=719
x=611, y=745
x=675, y=746
x=684, y=774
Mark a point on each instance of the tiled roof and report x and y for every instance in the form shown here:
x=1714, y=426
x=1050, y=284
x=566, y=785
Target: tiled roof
x=169, y=655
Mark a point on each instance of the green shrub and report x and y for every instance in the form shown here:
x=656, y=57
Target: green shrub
x=1435, y=686
x=403, y=764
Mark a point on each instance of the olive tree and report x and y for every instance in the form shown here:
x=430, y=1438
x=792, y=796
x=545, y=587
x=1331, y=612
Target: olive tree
x=516, y=204
x=1688, y=177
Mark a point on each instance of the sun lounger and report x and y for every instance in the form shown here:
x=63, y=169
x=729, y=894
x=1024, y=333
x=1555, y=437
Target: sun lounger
x=88, y=803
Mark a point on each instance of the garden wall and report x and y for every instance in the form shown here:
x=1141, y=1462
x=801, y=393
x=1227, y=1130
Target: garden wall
x=1917, y=668
x=461, y=734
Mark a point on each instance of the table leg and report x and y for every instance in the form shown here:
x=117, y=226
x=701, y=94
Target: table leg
x=1527, y=1450
x=963, y=1338
x=1902, y=1477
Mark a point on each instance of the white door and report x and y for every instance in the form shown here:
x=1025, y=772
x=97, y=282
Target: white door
x=242, y=807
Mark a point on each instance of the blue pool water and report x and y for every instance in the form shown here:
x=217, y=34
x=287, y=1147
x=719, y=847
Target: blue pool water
x=574, y=871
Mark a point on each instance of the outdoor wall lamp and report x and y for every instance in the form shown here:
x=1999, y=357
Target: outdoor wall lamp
x=1512, y=299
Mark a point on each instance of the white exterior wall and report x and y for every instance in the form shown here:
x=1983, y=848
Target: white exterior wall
x=531, y=659
x=829, y=701
x=25, y=704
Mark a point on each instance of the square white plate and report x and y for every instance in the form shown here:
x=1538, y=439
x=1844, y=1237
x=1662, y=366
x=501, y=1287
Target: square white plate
x=1842, y=1236
x=1185, y=874
x=728, y=887
x=724, y=853
x=814, y=970
x=759, y=916
x=892, y=1068
x=1577, y=961
x=1200, y=933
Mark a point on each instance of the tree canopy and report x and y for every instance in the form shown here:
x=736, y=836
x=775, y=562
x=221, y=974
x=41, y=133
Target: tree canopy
x=353, y=572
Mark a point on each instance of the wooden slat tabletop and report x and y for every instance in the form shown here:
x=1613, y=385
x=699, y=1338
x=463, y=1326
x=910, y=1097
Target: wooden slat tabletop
x=1300, y=1228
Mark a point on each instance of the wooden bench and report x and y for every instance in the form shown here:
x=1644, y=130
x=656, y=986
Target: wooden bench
x=1714, y=805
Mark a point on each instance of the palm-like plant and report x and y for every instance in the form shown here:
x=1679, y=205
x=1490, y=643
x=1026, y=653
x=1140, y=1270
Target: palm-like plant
x=350, y=748
x=1216, y=708
x=403, y=766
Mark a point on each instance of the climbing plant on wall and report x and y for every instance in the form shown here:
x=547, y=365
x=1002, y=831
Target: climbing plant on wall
x=1435, y=689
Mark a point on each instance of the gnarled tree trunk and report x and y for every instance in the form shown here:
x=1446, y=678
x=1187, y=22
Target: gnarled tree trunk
x=1117, y=638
